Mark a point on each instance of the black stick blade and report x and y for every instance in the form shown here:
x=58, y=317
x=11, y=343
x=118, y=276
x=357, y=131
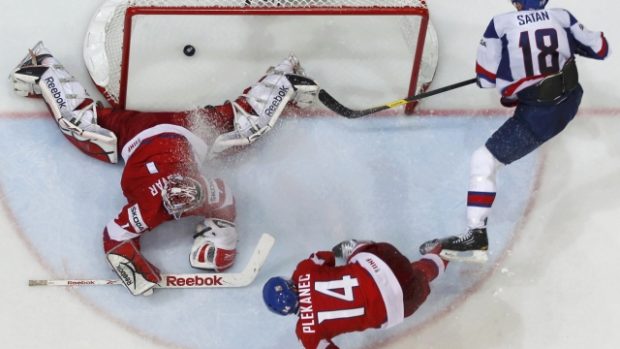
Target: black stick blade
x=335, y=106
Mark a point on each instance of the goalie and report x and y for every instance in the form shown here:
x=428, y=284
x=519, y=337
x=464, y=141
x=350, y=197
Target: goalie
x=162, y=153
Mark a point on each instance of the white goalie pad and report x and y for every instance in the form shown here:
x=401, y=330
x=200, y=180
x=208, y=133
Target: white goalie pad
x=76, y=115
x=39, y=73
x=268, y=98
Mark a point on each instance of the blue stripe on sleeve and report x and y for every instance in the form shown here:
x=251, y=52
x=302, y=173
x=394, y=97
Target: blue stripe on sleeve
x=572, y=18
x=490, y=32
x=503, y=71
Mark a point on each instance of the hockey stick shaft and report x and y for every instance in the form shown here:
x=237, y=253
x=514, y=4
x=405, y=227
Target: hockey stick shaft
x=335, y=106
x=198, y=280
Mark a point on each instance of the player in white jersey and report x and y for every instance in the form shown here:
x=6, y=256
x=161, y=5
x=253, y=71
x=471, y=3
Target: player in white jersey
x=529, y=57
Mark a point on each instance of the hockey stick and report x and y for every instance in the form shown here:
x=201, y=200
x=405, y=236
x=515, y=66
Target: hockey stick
x=199, y=280
x=335, y=106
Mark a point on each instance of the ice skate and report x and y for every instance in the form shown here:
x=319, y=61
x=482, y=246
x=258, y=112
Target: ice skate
x=469, y=247
x=346, y=248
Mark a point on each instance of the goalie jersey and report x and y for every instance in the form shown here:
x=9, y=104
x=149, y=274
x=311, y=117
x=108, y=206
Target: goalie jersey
x=519, y=49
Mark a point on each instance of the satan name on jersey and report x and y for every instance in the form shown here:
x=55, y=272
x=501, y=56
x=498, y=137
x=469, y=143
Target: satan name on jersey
x=532, y=17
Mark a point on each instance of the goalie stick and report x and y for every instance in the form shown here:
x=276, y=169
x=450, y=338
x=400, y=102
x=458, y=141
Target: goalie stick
x=198, y=280
x=335, y=106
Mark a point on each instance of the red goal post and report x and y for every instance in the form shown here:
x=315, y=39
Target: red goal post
x=133, y=48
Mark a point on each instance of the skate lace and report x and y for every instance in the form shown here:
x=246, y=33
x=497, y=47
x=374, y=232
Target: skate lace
x=465, y=237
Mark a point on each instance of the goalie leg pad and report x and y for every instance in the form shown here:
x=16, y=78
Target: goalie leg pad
x=215, y=245
x=40, y=74
x=259, y=108
x=255, y=113
x=268, y=98
x=76, y=116
x=137, y=274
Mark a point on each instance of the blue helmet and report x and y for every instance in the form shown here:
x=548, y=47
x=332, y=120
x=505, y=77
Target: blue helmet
x=531, y=4
x=280, y=296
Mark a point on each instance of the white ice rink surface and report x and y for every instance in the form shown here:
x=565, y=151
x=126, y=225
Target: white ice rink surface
x=552, y=281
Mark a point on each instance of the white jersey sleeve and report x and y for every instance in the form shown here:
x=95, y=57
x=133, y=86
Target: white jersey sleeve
x=591, y=44
x=518, y=49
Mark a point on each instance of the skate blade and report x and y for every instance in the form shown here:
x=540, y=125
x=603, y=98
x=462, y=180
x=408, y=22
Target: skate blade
x=476, y=256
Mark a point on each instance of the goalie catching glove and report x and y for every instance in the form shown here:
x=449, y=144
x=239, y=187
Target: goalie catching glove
x=215, y=245
x=258, y=109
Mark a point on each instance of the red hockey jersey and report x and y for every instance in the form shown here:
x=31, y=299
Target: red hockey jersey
x=333, y=300
x=155, y=146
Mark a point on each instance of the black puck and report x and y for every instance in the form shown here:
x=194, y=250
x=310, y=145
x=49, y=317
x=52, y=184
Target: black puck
x=189, y=50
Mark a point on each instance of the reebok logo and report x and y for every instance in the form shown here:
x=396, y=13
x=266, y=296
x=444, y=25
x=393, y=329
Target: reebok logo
x=127, y=280
x=277, y=100
x=89, y=282
x=56, y=93
x=195, y=280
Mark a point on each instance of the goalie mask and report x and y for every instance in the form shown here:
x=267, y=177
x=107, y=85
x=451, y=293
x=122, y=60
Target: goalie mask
x=182, y=194
x=530, y=4
x=280, y=296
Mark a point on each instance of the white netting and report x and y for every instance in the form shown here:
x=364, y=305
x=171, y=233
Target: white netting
x=103, y=51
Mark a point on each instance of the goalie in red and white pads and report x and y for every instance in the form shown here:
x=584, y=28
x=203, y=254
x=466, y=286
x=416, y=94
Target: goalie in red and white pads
x=162, y=153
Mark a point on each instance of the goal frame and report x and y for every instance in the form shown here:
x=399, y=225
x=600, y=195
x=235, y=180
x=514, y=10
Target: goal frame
x=132, y=12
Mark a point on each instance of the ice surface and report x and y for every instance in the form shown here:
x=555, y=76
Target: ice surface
x=313, y=182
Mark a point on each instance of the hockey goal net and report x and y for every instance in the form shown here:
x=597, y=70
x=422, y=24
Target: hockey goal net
x=364, y=52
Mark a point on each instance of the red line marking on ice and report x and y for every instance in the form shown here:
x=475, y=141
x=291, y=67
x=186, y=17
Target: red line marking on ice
x=583, y=112
x=24, y=115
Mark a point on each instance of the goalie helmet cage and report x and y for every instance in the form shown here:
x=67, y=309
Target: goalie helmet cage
x=116, y=54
